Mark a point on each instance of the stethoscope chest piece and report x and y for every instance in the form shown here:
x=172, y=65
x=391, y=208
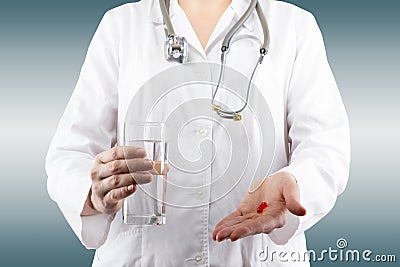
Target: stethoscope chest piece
x=176, y=49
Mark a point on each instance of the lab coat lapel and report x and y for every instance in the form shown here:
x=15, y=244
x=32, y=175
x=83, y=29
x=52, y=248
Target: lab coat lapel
x=251, y=29
x=183, y=28
x=180, y=23
x=225, y=23
x=252, y=26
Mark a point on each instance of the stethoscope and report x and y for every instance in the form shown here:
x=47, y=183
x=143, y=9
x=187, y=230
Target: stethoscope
x=176, y=49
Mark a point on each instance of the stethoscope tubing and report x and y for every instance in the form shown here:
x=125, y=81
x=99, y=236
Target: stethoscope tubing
x=169, y=31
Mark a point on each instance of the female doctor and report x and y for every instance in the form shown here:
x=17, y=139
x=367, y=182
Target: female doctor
x=88, y=174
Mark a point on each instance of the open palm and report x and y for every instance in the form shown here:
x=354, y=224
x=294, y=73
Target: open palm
x=280, y=191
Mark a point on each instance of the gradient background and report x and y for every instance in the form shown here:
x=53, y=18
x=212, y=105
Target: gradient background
x=42, y=47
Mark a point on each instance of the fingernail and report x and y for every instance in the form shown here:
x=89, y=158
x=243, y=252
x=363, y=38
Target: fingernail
x=130, y=187
x=149, y=163
x=141, y=152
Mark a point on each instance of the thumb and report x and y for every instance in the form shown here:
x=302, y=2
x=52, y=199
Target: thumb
x=291, y=194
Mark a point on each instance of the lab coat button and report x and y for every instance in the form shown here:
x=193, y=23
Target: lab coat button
x=200, y=194
x=198, y=258
x=203, y=132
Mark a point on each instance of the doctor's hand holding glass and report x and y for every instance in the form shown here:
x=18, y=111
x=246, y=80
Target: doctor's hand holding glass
x=114, y=177
x=279, y=49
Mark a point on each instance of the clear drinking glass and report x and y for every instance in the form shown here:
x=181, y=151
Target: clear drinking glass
x=146, y=206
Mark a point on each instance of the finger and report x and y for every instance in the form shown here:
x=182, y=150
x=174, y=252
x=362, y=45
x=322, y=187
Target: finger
x=224, y=233
x=262, y=224
x=227, y=224
x=121, y=180
x=160, y=168
x=256, y=223
x=120, y=152
x=142, y=177
x=251, y=227
x=125, y=166
x=234, y=214
x=291, y=194
x=115, y=195
x=231, y=222
x=245, y=227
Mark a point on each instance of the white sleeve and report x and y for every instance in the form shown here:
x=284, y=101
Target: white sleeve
x=87, y=127
x=318, y=132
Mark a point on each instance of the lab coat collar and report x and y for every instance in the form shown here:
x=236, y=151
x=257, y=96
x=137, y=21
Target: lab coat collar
x=252, y=25
x=156, y=15
x=238, y=6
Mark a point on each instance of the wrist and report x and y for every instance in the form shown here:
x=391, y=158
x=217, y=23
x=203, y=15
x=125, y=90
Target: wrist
x=88, y=207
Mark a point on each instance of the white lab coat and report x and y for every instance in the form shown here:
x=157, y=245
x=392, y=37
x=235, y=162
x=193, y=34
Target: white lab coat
x=310, y=122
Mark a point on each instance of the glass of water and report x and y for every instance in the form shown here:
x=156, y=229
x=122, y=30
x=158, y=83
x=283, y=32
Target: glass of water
x=146, y=206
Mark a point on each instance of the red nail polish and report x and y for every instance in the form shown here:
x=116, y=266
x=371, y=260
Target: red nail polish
x=262, y=206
